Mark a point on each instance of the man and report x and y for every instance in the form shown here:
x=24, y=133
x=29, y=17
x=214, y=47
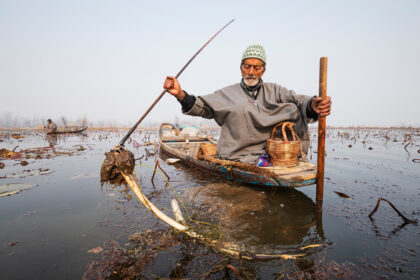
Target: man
x=51, y=127
x=248, y=111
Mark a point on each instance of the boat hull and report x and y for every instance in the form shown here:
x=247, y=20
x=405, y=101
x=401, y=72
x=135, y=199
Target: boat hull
x=70, y=130
x=234, y=174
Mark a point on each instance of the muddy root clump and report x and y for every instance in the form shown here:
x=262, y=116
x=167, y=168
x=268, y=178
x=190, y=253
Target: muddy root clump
x=117, y=160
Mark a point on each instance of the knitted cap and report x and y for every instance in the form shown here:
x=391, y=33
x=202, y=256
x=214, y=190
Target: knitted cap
x=254, y=51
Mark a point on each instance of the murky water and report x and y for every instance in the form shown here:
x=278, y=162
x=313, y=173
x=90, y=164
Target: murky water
x=69, y=227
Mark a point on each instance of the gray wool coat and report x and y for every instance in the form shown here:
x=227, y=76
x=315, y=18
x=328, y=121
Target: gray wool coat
x=246, y=123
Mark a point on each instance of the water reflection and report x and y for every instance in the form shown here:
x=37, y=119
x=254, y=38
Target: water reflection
x=386, y=236
x=55, y=139
x=257, y=218
x=51, y=139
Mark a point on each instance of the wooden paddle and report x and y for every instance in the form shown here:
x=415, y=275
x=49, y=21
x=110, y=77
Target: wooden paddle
x=321, y=136
x=164, y=91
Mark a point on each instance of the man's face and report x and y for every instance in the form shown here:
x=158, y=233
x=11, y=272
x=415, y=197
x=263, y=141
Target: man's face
x=252, y=70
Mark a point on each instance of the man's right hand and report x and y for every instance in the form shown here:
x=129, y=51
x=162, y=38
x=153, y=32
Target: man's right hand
x=172, y=86
x=321, y=106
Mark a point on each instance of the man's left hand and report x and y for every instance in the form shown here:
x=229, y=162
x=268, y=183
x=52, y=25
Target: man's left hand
x=321, y=106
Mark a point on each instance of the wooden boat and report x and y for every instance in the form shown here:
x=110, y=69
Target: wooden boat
x=185, y=148
x=72, y=129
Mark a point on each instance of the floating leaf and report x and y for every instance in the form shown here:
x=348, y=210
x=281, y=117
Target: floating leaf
x=5, y=153
x=95, y=250
x=14, y=188
x=343, y=194
x=17, y=136
x=85, y=176
x=80, y=148
x=28, y=172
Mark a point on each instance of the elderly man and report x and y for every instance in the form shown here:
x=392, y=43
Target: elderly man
x=248, y=111
x=51, y=127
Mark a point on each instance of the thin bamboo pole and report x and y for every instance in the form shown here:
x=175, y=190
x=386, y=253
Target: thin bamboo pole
x=164, y=91
x=321, y=136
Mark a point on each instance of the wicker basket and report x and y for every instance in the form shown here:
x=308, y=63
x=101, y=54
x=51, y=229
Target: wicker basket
x=282, y=151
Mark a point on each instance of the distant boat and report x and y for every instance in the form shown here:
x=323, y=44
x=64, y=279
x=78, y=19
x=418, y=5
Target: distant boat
x=71, y=129
x=185, y=147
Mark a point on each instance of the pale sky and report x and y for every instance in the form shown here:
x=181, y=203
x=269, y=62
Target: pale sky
x=107, y=60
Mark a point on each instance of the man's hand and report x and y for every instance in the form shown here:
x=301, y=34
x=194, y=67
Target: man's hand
x=172, y=86
x=321, y=106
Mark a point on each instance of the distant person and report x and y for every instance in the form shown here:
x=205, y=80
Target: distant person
x=51, y=127
x=248, y=111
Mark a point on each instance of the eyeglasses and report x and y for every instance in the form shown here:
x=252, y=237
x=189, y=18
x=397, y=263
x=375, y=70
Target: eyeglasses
x=256, y=67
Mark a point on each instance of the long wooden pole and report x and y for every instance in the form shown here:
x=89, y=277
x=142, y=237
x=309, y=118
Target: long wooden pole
x=164, y=91
x=321, y=136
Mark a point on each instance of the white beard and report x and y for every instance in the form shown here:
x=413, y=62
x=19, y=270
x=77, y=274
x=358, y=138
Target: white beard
x=251, y=82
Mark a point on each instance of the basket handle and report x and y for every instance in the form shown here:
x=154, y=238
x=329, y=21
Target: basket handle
x=294, y=134
x=283, y=130
x=288, y=125
x=274, y=129
x=285, y=125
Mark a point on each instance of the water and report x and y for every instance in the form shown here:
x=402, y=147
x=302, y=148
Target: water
x=47, y=231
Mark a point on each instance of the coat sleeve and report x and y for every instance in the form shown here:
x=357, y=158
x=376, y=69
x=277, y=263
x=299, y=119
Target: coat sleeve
x=200, y=109
x=283, y=95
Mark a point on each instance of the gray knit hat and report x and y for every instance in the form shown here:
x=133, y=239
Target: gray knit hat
x=254, y=51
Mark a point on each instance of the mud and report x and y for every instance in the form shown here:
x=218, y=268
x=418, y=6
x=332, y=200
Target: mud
x=120, y=263
x=117, y=160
